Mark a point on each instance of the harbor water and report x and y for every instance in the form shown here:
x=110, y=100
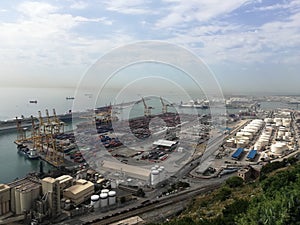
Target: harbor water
x=14, y=165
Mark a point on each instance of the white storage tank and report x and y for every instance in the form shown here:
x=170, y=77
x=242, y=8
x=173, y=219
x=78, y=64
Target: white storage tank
x=257, y=146
x=268, y=120
x=68, y=204
x=278, y=147
x=240, y=144
x=95, y=201
x=103, y=199
x=280, y=134
x=113, y=184
x=112, y=197
x=105, y=191
x=277, y=120
x=154, y=177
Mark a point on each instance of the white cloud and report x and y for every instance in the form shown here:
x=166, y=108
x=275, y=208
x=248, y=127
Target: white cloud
x=79, y=5
x=128, y=7
x=180, y=12
x=36, y=9
x=43, y=36
x=272, y=42
x=292, y=5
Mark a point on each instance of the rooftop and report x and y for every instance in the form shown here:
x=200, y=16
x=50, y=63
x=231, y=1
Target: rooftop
x=64, y=178
x=237, y=153
x=79, y=187
x=132, y=170
x=165, y=143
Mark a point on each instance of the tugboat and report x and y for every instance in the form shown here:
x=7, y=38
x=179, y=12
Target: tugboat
x=32, y=154
x=29, y=153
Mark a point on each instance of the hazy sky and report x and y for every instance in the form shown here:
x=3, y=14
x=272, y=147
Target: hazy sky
x=251, y=46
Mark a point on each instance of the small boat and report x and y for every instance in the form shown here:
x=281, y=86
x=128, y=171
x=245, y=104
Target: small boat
x=70, y=98
x=29, y=153
x=32, y=154
x=33, y=101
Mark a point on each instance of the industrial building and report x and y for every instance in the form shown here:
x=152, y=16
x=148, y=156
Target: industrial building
x=65, y=181
x=131, y=171
x=166, y=144
x=237, y=154
x=252, y=154
x=23, y=193
x=51, y=192
x=79, y=192
x=4, y=199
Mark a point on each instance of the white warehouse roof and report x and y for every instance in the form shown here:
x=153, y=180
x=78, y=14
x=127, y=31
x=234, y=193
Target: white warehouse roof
x=165, y=143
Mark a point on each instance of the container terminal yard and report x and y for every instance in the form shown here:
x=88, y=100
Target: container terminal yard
x=96, y=180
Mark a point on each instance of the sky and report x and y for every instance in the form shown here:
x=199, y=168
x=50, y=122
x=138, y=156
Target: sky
x=251, y=46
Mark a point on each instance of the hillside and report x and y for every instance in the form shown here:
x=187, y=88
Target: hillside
x=274, y=199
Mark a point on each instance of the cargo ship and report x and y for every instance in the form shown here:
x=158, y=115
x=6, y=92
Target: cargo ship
x=11, y=124
x=195, y=104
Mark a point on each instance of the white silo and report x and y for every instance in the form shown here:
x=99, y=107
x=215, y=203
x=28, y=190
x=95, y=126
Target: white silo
x=240, y=144
x=286, y=122
x=257, y=146
x=113, y=184
x=282, y=129
x=112, y=197
x=105, y=191
x=280, y=134
x=268, y=120
x=95, y=201
x=154, y=177
x=278, y=147
x=68, y=204
x=103, y=200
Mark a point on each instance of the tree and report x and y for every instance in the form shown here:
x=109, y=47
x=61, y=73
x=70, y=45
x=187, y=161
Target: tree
x=234, y=181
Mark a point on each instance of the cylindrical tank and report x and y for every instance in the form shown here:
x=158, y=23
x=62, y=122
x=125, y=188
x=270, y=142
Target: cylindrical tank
x=278, y=147
x=95, y=201
x=62, y=203
x=105, y=191
x=113, y=184
x=268, y=120
x=280, y=133
x=112, y=197
x=154, y=177
x=17, y=199
x=257, y=146
x=68, y=204
x=103, y=199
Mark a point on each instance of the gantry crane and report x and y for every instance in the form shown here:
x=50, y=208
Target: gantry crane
x=54, y=156
x=21, y=132
x=164, y=106
x=58, y=125
x=36, y=136
x=147, y=109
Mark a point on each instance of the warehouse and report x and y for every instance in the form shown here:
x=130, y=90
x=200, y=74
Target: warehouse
x=251, y=155
x=130, y=171
x=165, y=144
x=237, y=154
x=79, y=192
